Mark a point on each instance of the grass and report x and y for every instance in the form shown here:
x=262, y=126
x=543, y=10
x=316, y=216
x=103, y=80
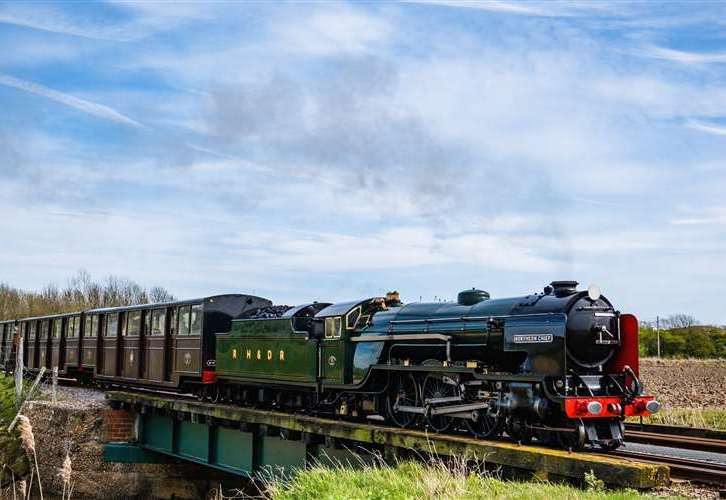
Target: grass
x=12, y=456
x=689, y=417
x=414, y=480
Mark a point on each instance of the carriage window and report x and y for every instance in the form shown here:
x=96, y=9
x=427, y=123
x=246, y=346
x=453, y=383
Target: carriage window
x=44, y=330
x=158, y=322
x=95, y=322
x=31, y=333
x=134, y=323
x=68, y=330
x=112, y=325
x=57, y=328
x=196, y=320
x=122, y=322
x=184, y=317
x=332, y=327
x=77, y=326
x=147, y=322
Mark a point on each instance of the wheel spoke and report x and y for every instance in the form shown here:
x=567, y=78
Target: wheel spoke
x=435, y=387
x=403, y=392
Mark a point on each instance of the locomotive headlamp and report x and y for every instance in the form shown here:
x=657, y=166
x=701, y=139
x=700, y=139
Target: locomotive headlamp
x=652, y=406
x=594, y=407
x=593, y=292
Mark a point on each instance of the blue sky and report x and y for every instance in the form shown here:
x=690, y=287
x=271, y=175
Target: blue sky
x=337, y=150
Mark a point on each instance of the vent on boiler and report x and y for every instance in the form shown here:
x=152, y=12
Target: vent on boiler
x=471, y=297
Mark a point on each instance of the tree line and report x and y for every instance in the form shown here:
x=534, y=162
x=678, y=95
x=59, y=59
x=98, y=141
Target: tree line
x=681, y=336
x=82, y=292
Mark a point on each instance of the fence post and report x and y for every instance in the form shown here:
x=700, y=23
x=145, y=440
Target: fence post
x=54, y=386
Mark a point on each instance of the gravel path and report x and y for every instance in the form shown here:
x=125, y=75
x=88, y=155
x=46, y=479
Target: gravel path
x=72, y=397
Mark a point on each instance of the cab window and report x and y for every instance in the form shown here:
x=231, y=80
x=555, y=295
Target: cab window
x=111, y=325
x=184, y=317
x=351, y=321
x=333, y=327
x=134, y=324
x=158, y=322
x=196, y=328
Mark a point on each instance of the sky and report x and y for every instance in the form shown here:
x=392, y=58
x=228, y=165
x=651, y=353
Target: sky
x=332, y=151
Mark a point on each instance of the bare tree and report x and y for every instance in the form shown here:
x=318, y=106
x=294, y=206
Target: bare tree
x=680, y=321
x=81, y=293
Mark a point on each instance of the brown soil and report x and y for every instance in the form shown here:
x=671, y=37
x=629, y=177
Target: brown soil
x=686, y=383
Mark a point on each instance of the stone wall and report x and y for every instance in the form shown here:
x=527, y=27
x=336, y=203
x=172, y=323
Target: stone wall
x=80, y=427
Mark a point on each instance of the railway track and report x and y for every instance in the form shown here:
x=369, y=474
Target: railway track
x=677, y=437
x=698, y=471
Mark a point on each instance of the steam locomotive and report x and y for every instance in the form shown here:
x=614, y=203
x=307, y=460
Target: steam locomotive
x=559, y=367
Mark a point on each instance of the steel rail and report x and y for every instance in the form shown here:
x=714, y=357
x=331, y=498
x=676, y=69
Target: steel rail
x=677, y=437
x=698, y=471
x=676, y=430
x=677, y=441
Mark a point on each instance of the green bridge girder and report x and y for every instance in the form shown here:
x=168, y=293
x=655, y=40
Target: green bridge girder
x=243, y=440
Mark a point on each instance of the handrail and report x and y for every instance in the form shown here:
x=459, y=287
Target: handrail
x=473, y=318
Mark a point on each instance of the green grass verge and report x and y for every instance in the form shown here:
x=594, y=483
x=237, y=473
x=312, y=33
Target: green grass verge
x=11, y=455
x=412, y=480
x=688, y=417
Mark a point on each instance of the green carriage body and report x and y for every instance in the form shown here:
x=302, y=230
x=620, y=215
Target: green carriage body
x=266, y=350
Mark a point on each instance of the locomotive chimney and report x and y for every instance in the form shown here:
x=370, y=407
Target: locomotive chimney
x=564, y=288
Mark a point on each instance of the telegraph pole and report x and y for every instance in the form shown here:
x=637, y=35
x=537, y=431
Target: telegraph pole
x=657, y=333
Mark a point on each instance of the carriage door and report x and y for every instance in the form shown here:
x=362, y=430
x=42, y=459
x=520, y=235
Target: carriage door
x=44, y=341
x=131, y=345
x=110, y=345
x=56, y=351
x=331, y=351
x=188, y=341
x=154, y=342
x=169, y=340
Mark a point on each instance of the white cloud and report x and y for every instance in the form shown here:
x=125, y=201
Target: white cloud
x=549, y=8
x=92, y=108
x=682, y=56
x=56, y=21
x=706, y=127
x=401, y=247
x=702, y=217
x=332, y=31
x=149, y=18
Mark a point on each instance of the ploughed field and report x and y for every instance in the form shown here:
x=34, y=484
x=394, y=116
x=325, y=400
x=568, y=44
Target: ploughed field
x=692, y=390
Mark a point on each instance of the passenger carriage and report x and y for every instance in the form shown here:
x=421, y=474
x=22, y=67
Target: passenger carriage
x=170, y=344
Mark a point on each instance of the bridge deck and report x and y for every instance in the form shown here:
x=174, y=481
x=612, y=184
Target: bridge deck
x=230, y=438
